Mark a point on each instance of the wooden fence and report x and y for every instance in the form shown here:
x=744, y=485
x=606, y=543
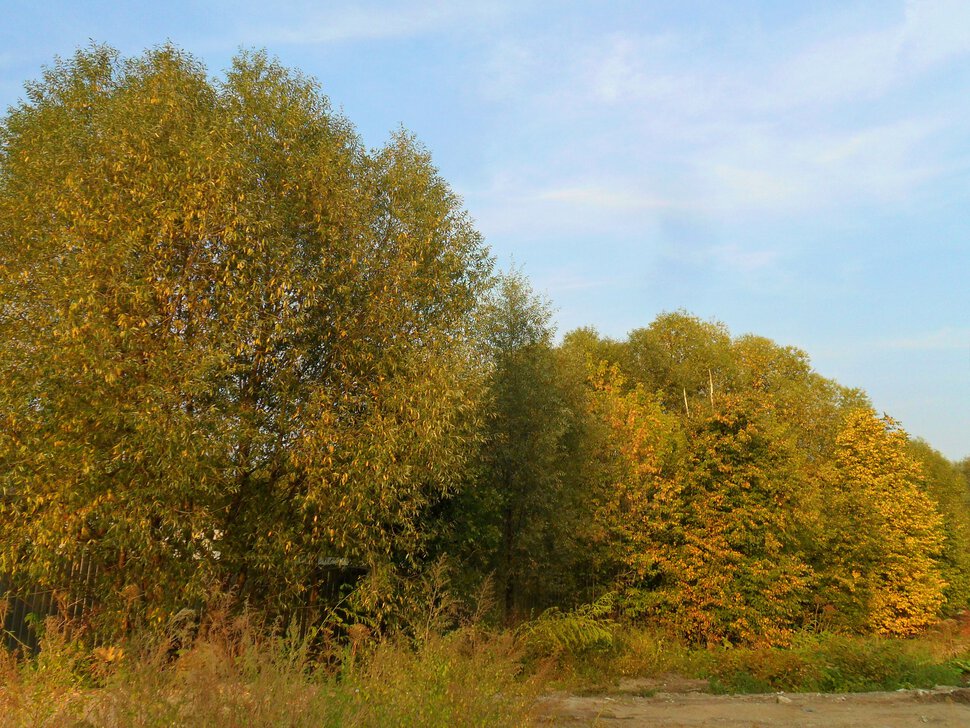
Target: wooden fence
x=24, y=612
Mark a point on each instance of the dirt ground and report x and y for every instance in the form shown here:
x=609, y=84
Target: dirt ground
x=676, y=703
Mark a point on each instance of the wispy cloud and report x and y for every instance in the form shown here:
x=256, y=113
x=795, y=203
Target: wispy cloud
x=772, y=169
x=864, y=65
x=602, y=197
x=530, y=202
x=638, y=123
x=346, y=22
x=566, y=281
x=936, y=30
x=944, y=339
x=748, y=260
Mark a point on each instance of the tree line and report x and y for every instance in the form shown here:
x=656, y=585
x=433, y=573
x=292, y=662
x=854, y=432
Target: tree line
x=235, y=344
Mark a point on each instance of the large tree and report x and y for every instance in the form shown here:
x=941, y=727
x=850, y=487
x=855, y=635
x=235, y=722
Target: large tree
x=518, y=520
x=946, y=486
x=883, y=536
x=232, y=340
x=683, y=358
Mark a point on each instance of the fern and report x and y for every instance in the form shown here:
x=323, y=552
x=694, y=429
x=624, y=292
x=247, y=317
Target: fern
x=584, y=628
x=962, y=665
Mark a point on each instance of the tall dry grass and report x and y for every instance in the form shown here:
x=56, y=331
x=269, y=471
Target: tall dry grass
x=232, y=672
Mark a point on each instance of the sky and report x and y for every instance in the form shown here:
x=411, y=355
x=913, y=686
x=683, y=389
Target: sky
x=795, y=170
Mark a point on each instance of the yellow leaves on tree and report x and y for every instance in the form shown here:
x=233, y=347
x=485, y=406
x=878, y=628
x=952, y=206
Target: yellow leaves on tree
x=635, y=485
x=699, y=520
x=888, y=533
x=771, y=501
x=221, y=309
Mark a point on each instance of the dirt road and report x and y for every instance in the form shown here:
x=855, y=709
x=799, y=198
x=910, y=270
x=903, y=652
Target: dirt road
x=629, y=707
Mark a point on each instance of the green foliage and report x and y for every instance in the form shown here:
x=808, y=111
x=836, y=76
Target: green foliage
x=648, y=651
x=832, y=664
x=735, y=573
x=699, y=515
x=587, y=627
x=811, y=663
x=946, y=486
x=231, y=339
x=518, y=519
x=680, y=356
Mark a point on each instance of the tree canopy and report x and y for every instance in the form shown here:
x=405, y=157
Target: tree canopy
x=232, y=341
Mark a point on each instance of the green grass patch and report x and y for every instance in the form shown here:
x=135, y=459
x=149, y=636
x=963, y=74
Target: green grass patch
x=836, y=664
x=812, y=663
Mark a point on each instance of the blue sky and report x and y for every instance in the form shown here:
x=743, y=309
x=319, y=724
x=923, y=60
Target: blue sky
x=795, y=170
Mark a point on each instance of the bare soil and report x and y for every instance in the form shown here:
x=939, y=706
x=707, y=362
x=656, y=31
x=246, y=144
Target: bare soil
x=674, y=702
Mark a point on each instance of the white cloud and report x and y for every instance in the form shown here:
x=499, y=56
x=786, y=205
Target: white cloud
x=530, y=202
x=843, y=68
x=944, y=339
x=937, y=30
x=734, y=257
x=790, y=130
x=623, y=197
x=565, y=281
x=507, y=69
x=773, y=169
x=866, y=65
x=314, y=23
x=622, y=69
x=745, y=260
x=354, y=23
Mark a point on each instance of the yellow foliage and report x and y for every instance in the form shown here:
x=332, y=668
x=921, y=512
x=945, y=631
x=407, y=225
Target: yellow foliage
x=888, y=529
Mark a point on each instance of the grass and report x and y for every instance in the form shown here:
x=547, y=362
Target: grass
x=812, y=663
x=833, y=664
x=232, y=675
x=233, y=672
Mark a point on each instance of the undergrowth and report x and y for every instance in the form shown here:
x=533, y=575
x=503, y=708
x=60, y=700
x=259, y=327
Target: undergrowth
x=233, y=671
x=231, y=674
x=554, y=632
x=833, y=664
x=812, y=663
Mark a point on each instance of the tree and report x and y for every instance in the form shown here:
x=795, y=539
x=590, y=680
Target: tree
x=712, y=481
x=518, y=518
x=702, y=515
x=685, y=359
x=779, y=387
x=739, y=573
x=232, y=341
x=634, y=486
x=879, y=565
x=943, y=482
x=587, y=346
